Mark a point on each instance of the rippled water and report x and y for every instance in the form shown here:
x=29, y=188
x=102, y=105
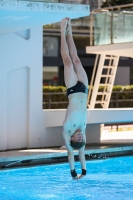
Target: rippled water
x=105, y=180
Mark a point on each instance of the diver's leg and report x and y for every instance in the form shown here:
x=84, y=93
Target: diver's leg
x=69, y=73
x=81, y=74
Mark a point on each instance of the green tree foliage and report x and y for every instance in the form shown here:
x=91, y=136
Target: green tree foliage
x=108, y=3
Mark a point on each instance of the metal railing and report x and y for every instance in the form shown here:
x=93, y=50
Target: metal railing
x=121, y=102
x=48, y=103
x=128, y=126
x=111, y=25
x=118, y=100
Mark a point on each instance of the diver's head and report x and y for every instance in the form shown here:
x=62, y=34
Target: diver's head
x=77, y=140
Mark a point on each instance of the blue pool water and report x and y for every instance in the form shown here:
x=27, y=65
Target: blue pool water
x=105, y=180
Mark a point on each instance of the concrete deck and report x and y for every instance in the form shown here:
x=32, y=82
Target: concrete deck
x=29, y=157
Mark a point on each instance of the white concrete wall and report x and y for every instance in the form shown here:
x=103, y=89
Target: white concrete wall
x=54, y=120
x=53, y=135
x=21, y=116
x=93, y=133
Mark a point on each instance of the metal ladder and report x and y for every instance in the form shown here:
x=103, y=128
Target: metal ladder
x=103, y=77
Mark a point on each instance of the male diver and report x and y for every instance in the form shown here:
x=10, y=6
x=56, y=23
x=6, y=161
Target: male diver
x=76, y=81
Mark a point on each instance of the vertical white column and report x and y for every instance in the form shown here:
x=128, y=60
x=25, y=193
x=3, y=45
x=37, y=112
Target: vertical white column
x=21, y=116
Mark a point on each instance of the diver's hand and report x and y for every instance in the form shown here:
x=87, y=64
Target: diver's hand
x=76, y=177
x=83, y=173
x=81, y=176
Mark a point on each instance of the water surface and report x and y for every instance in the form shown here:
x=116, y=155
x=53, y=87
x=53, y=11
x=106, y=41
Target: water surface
x=105, y=180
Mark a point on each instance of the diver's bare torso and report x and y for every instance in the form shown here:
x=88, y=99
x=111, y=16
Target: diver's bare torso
x=76, y=114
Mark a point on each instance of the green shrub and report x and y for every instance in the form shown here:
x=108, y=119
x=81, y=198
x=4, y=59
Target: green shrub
x=118, y=91
x=117, y=88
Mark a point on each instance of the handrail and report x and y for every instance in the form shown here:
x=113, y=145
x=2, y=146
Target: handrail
x=110, y=11
x=113, y=7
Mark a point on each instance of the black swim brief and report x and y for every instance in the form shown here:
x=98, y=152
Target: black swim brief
x=79, y=87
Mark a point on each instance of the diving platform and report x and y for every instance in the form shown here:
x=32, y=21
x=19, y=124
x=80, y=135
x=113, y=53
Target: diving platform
x=118, y=49
x=17, y=15
x=55, y=118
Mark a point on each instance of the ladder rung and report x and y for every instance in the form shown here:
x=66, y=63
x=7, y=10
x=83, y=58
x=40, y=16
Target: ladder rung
x=110, y=57
x=103, y=93
x=105, y=75
x=108, y=67
x=102, y=84
x=98, y=102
